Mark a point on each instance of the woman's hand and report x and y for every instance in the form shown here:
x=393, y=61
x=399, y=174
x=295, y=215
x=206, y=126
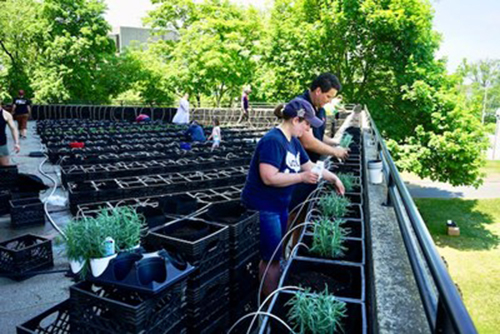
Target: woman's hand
x=309, y=177
x=338, y=186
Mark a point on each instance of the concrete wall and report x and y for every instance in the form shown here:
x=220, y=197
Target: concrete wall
x=125, y=36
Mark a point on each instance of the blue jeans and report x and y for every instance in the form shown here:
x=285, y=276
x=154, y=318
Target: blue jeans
x=272, y=229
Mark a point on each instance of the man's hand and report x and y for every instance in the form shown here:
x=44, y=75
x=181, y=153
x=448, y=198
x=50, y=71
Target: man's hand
x=341, y=153
x=309, y=177
x=17, y=148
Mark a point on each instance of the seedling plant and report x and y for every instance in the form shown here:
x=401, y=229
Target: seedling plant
x=316, y=313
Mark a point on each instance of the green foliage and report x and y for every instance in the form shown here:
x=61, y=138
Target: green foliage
x=85, y=237
x=346, y=140
x=328, y=238
x=383, y=53
x=316, y=313
x=333, y=205
x=348, y=180
x=218, y=46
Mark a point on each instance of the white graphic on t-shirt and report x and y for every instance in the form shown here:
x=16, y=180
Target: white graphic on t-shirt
x=293, y=161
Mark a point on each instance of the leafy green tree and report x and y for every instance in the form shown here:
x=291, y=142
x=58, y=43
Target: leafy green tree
x=218, y=47
x=75, y=52
x=18, y=39
x=384, y=54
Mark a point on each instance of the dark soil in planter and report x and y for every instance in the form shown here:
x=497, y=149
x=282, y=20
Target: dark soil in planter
x=190, y=232
x=318, y=281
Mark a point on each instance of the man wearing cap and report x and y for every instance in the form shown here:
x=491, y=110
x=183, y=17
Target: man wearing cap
x=278, y=164
x=22, y=112
x=6, y=119
x=321, y=91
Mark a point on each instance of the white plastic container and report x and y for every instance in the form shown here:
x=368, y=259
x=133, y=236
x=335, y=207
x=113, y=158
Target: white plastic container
x=98, y=266
x=318, y=169
x=375, y=171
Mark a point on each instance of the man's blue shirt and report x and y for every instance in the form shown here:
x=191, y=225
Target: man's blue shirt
x=287, y=156
x=318, y=133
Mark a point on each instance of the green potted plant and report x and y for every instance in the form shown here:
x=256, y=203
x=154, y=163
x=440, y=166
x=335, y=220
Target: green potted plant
x=328, y=238
x=348, y=180
x=316, y=313
x=346, y=140
x=126, y=226
x=333, y=205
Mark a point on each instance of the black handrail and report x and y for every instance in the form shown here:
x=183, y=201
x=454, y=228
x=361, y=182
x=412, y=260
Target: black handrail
x=446, y=312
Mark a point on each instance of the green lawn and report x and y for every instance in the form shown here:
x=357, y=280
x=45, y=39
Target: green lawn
x=474, y=257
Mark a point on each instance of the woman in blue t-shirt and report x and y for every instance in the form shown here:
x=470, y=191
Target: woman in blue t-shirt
x=279, y=163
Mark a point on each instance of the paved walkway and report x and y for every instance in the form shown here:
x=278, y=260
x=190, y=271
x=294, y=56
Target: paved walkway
x=429, y=189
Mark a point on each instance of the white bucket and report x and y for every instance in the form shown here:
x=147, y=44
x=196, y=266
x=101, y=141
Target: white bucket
x=98, y=266
x=375, y=171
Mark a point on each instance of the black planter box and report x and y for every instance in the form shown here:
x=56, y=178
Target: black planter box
x=241, y=306
x=25, y=254
x=354, y=323
x=355, y=252
x=181, y=204
x=202, y=244
x=26, y=212
x=244, y=229
x=106, y=309
x=342, y=280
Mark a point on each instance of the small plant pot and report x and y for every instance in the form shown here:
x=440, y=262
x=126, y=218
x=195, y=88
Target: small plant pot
x=76, y=265
x=151, y=269
x=123, y=265
x=98, y=266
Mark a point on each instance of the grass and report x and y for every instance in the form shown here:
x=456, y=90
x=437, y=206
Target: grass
x=474, y=257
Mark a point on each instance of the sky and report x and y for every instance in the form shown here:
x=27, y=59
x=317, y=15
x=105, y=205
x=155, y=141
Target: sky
x=470, y=28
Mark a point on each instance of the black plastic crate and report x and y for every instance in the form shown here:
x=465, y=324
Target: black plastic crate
x=209, y=290
x=217, y=323
x=97, y=308
x=56, y=320
x=241, y=306
x=244, y=276
x=195, y=239
x=4, y=202
x=8, y=176
x=26, y=212
x=25, y=254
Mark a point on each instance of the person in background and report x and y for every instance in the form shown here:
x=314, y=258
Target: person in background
x=195, y=132
x=6, y=119
x=22, y=112
x=245, y=105
x=332, y=110
x=278, y=164
x=182, y=114
x=142, y=118
x=216, y=134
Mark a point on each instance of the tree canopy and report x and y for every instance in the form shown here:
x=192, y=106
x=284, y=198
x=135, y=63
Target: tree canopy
x=383, y=51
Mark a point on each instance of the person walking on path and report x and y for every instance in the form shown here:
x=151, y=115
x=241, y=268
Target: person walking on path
x=22, y=112
x=245, y=105
x=6, y=119
x=182, y=114
x=278, y=164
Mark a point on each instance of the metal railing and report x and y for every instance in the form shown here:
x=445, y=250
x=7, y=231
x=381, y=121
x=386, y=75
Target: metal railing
x=444, y=308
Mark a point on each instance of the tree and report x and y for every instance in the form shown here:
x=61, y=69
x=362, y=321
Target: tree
x=218, y=45
x=18, y=40
x=384, y=53
x=74, y=53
